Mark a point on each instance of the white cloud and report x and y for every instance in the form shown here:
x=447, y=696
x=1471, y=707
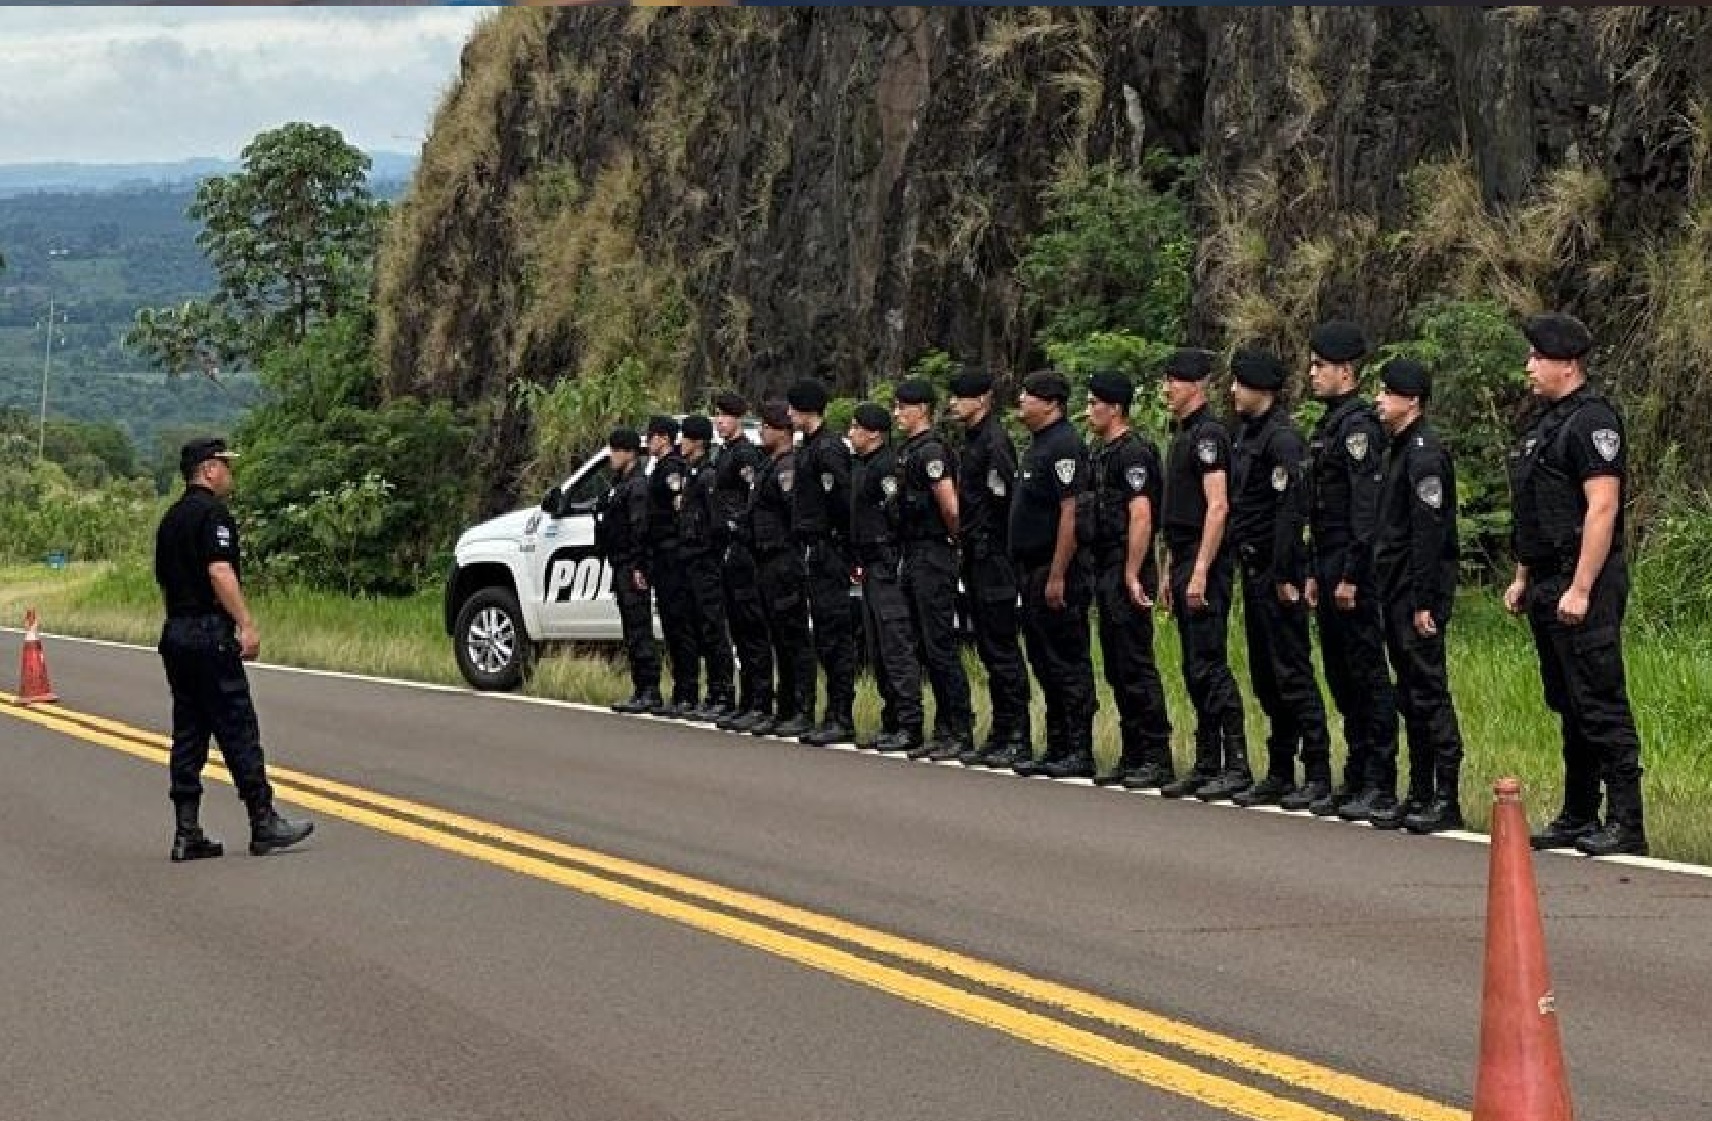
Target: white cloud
x=134, y=84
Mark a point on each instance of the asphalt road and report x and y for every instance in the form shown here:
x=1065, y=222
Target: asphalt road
x=1114, y=953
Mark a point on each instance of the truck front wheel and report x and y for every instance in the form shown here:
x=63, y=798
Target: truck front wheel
x=492, y=648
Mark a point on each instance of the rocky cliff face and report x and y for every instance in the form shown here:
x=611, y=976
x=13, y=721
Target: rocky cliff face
x=745, y=196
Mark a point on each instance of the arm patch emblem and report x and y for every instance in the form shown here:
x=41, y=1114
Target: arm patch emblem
x=996, y=482
x=1136, y=477
x=1430, y=491
x=1280, y=478
x=1356, y=444
x=1065, y=469
x=1607, y=443
x=935, y=469
x=1207, y=451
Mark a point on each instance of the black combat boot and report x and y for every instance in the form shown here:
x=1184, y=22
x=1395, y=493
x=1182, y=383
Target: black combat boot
x=269, y=832
x=1004, y=753
x=1056, y=749
x=1616, y=839
x=643, y=700
x=1440, y=814
x=1365, y=805
x=904, y=739
x=1334, y=800
x=1393, y=816
x=790, y=727
x=837, y=729
x=1269, y=791
x=1564, y=831
x=1307, y=795
x=188, y=840
x=951, y=747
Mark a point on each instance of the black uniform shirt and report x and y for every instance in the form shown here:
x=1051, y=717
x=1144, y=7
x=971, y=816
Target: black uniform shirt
x=821, y=499
x=735, y=464
x=1267, y=508
x=621, y=519
x=1415, y=555
x=698, y=532
x=1346, y=462
x=1054, y=468
x=770, y=504
x=196, y=531
x=1123, y=469
x=921, y=463
x=985, y=478
x=1200, y=446
x=872, y=485
x=1578, y=437
x=666, y=485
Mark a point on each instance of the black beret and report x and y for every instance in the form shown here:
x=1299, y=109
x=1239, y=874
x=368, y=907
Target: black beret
x=776, y=414
x=1559, y=336
x=808, y=395
x=624, y=440
x=1257, y=369
x=728, y=403
x=1338, y=340
x=1112, y=388
x=1407, y=378
x=873, y=417
x=1048, y=385
x=1189, y=364
x=915, y=391
x=194, y=453
x=970, y=382
x=697, y=427
x=663, y=426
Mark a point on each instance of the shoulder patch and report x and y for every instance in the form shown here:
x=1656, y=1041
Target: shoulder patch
x=223, y=536
x=1136, y=477
x=1207, y=451
x=1607, y=443
x=1356, y=444
x=1280, y=478
x=1430, y=491
x=889, y=484
x=996, y=482
x=935, y=469
x=826, y=481
x=674, y=481
x=1065, y=469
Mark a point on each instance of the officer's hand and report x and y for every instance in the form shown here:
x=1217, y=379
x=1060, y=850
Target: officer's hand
x=1165, y=595
x=249, y=642
x=1516, y=596
x=1138, y=594
x=1311, y=592
x=856, y=574
x=1289, y=594
x=1572, y=607
x=1055, y=592
x=1424, y=625
x=1195, y=595
x=1344, y=595
x=639, y=581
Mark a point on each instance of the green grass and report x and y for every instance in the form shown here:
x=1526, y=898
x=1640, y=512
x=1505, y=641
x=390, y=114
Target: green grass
x=1505, y=725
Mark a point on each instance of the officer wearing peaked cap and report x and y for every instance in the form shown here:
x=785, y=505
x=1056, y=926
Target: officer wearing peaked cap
x=1117, y=524
x=1056, y=589
x=1568, y=479
x=1346, y=453
x=986, y=479
x=1268, y=517
x=1199, y=569
x=1415, y=561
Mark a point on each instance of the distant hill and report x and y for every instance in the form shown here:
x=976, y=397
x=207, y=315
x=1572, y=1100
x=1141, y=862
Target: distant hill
x=30, y=178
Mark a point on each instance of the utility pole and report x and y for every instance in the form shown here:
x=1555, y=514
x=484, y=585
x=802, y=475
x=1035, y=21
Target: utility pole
x=47, y=362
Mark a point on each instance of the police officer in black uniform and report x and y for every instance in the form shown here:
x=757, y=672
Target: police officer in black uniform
x=821, y=523
x=621, y=536
x=1568, y=479
x=766, y=529
x=735, y=464
x=673, y=597
x=1056, y=589
x=1116, y=523
x=1415, y=559
x=1269, y=513
x=986, y=477
x=701, y=545
x=1199, y=571
x=879, y=558
x=1345, y=465
x=928, y=523
x=208, y=636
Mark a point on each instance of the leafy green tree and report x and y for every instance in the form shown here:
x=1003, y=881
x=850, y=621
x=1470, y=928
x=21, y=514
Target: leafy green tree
x=291, y=238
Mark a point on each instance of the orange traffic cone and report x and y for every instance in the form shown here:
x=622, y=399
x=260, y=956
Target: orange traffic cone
x=33, y=686
x=1521, y=1075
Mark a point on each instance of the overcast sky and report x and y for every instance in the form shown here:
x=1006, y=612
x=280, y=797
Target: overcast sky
x=112, y=85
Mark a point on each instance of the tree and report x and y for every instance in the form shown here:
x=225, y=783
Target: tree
x=291, y=238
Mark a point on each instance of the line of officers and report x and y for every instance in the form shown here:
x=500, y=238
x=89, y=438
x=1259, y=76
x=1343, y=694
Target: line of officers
x=757, y=548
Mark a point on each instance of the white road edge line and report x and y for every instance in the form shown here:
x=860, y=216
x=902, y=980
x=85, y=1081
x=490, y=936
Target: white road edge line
x=1652, y=863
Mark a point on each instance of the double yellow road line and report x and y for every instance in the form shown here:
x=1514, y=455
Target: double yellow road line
x=1060, y=1018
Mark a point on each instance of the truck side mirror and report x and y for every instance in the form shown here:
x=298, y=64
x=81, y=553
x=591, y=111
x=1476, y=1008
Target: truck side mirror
x=551, y=503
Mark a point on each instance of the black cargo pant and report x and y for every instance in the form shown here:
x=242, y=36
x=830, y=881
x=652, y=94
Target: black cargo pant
x=930, y=582
x=1221, y=742
x=636, y=617
x=211, y=697
x=1126, y=644
x=1352, y=649
x=990, y=585
x=1581, y=668
x=826, y=575
x=1058, y=649
x=1281, y=670
x=785, y=603
x=674, y=598
x=1423, y=700
x=891, y=638
x=748, y=623
x=713, y=642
